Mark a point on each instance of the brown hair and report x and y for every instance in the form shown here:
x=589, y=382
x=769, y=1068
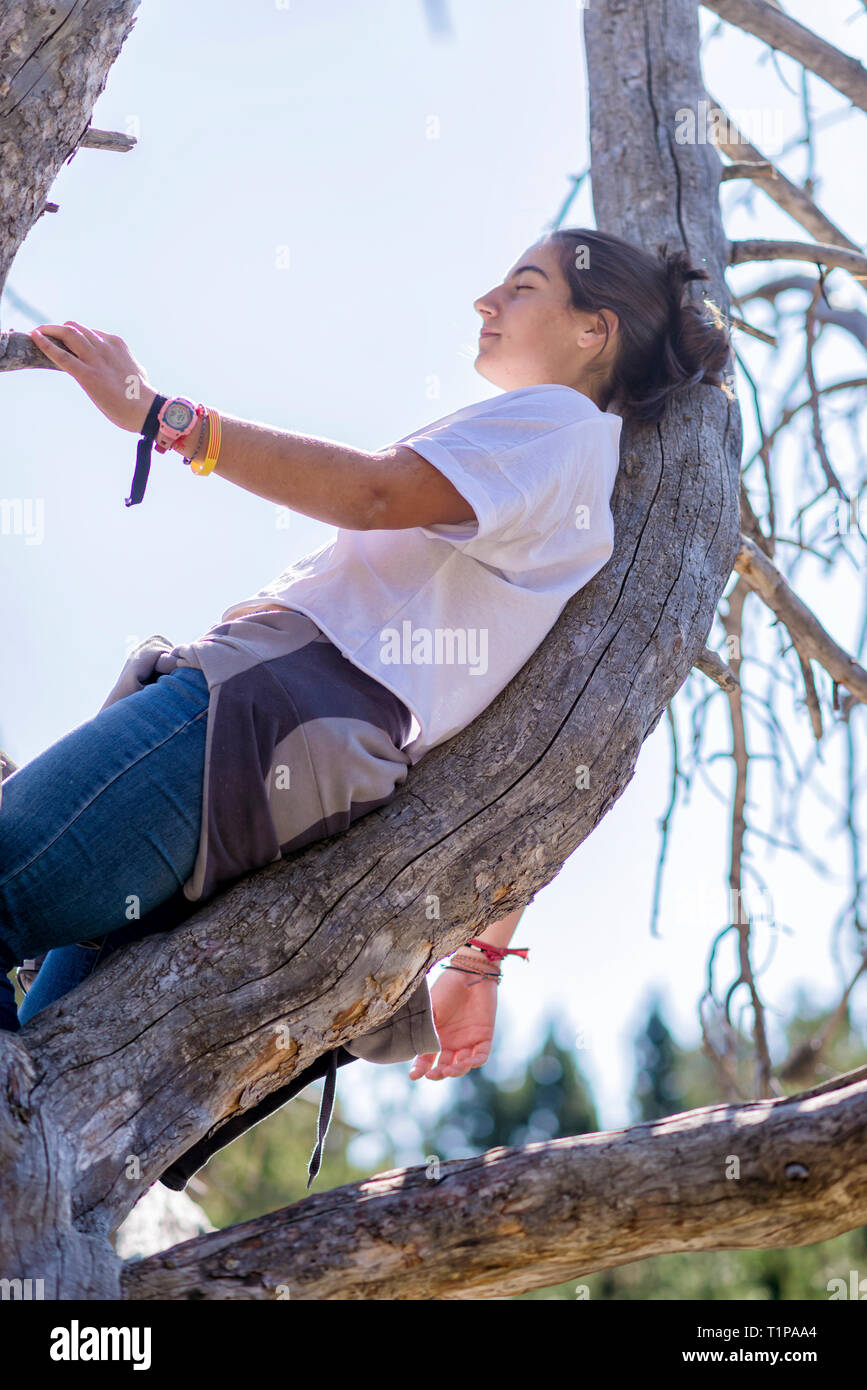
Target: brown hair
x=665, y=344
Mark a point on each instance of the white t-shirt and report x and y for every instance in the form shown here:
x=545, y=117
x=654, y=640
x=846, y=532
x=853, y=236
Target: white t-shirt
x=446, y=615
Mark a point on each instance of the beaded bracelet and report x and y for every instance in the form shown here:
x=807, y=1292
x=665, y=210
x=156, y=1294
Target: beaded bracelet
x=200, y=410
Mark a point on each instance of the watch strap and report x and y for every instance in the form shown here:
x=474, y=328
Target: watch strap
x=143, y=451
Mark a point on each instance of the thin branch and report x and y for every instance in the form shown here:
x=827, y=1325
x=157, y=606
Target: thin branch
x=759, y=333
x=719, y=671
x=811, y=697
x=112, y=140
x=748, y=169
x=807, y=633
x=852, y=320
x=780, y=31
x=802, y=1060
x=733, y=623
x=792, y=199
x=18, y=350
x=820, y=253
x=811, y=331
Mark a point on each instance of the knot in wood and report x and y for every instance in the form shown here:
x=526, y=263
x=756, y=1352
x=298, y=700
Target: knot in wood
x=631, y=463
x=796, y=1172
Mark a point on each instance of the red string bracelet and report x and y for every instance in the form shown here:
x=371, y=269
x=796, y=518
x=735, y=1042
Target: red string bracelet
x=496, y=953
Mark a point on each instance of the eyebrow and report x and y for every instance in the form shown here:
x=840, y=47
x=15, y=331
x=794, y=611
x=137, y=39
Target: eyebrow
x=521, y=268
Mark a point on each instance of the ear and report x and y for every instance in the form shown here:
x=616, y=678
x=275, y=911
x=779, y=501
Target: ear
x=608, y=316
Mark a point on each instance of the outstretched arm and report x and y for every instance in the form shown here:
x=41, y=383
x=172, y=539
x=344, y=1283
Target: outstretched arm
x=331, y=482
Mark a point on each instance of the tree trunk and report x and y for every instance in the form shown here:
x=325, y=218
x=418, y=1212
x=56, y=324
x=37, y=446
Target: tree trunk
x=54, y=61
x=322, y=947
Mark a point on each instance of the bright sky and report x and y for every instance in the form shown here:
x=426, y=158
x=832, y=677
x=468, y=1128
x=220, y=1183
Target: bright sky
x=318, y=194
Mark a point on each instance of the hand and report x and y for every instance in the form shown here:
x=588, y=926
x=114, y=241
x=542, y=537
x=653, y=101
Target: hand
x=463, y=1015
x=104, y=368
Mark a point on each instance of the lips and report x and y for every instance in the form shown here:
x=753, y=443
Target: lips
x=488, y=333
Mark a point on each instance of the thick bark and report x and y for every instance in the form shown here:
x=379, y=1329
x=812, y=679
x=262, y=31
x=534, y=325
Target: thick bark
x=765, y=1175
x=319, y=949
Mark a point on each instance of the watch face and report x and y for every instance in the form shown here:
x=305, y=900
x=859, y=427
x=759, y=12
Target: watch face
x=178, y=415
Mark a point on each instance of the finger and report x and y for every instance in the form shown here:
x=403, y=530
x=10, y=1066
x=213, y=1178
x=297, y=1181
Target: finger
x=90, y=334
x=68, y=338
x=442, y=1068
x=55, y=352
x=462, y=1062
x=422, y=1063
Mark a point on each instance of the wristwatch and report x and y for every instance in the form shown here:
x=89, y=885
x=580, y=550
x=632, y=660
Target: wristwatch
x=175, y=419
x=169, y=418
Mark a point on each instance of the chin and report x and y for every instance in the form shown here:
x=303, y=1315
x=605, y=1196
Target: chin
x=487, y=370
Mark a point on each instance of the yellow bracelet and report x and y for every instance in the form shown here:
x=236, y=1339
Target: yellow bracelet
x=215, y=433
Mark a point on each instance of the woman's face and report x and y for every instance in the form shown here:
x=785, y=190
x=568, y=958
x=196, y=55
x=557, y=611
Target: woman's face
x=530, y=332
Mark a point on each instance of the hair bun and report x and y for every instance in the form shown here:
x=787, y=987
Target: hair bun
x=678, y=270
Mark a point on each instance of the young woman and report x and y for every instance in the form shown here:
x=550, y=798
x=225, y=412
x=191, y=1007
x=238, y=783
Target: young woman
x=456, y=550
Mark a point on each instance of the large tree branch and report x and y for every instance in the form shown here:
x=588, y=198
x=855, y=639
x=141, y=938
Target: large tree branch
x=778, y=29
x=765, y=1175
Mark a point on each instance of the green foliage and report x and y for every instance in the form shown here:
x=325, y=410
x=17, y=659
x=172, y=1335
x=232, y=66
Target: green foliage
x=266, y=1168
x=549, y=1100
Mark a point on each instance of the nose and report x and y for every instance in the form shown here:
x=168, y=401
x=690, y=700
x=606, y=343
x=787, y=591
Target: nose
x=484, y=305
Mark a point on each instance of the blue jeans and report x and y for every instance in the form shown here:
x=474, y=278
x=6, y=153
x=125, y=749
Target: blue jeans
x=99, y=833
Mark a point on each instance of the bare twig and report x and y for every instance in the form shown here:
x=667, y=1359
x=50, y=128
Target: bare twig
x=748, y=169
x=753, y=332
x=107, y=140
x=854, y=321
x=719, y=671
x=810, y=334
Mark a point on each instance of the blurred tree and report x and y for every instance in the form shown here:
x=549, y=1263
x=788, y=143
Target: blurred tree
x=656, y=1088
x=266, y=1168
x=549, y=1099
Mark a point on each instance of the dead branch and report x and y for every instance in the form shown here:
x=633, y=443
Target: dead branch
x=113, y=140
x=748, y=169
x=769, y=1174
x=780, y=31
x=820, y=253
x=853, y=321
x=786, y=194
x=719, y=671
x=807, y=633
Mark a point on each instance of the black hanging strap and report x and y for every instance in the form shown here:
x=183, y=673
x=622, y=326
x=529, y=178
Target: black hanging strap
x=183, y=1168
x=326, y=1107
x=143, y=451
